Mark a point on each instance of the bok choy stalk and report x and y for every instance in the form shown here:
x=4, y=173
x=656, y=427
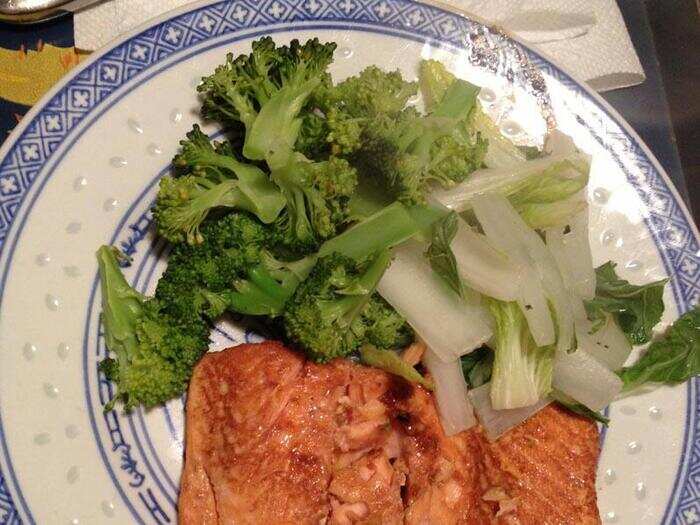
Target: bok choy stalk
x=585, y=379
x=450, y=389
x=502, y=152
x=522, y=372
x=571, y=249
x=608, y=344
x=448, y=324
x=572, y=252
x=498, y=422
x=535, y=188
x=462, y=256
x=506, y=231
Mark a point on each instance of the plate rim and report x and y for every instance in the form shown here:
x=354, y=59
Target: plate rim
x=14, y=137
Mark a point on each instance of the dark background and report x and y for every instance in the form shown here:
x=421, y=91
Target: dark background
x=664, y=110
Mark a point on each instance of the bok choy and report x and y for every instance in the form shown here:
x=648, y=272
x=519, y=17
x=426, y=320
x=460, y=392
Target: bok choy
x=448, y=324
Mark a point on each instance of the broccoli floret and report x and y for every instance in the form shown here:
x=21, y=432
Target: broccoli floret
x=324, y=316
x=240, y=268
x=409, y=151
x=317, y=194
x=231, y=270
x=154, y=352
x=453, y=159
x=216, y=181
x=341, y=111
x=384, y=327
x=266, y=90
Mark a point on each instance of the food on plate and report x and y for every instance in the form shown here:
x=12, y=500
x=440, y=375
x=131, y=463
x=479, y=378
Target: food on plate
x=354, y=220
x=275, y=438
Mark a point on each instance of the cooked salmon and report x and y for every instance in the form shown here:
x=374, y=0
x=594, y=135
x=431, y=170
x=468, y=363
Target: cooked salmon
x=273, y=438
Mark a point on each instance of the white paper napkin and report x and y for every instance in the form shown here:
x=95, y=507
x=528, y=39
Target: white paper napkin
x=587, y=37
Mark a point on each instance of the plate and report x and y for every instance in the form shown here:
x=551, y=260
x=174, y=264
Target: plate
x=82, y=168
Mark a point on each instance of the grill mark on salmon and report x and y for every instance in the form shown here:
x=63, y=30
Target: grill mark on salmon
x=272, y=438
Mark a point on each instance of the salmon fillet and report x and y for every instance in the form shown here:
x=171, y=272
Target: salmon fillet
x=273, y=438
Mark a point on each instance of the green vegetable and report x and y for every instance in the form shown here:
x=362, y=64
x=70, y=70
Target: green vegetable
x=409, y=151
x=672, y=359
x=269, y=91
x=543, y=215
x=238, y=266
x=636, y=308
x=385, y=228
x=348, y=107
x=316, y=196
x=215, y=181
x=154, y=352
x=266, y=90
x=477, y=366
x=440, y=255
x=383, y=326
x=577, y=408
x=522, y=372
x=543, y=199
x=232, y=266
x=434, y=79
x=391, y=362
x=326, y=315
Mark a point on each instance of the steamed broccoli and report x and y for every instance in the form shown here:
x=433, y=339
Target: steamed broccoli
x=154, y=352
x=383, y=326
x=239, y=267
x=232, y=270
x=329, y=314
x=266, y=90
x=409, y=151
x=317, y=194
x=341, y=112
x=216, y=180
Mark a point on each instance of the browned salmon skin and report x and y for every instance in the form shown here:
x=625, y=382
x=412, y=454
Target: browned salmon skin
x=273, y=438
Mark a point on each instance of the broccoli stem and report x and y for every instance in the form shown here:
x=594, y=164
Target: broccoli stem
x=388, y=227
x=122, y=306
x=390, y=361
x=276, y=127
x=348, y=307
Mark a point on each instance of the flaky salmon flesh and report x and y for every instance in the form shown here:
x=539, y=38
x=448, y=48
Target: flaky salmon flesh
x=274, y=439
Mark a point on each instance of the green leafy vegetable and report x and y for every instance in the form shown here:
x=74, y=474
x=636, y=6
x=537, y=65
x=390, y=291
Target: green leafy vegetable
x=636, y=308
x=522, y=372
x=390, y=361
x=672, y=359
x=477, y=366
x=440, y=255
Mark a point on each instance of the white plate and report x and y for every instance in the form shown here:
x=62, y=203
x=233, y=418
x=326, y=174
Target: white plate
x=81, y=170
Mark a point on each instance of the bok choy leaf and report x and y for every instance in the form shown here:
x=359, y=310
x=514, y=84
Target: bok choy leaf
x=636, y=308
